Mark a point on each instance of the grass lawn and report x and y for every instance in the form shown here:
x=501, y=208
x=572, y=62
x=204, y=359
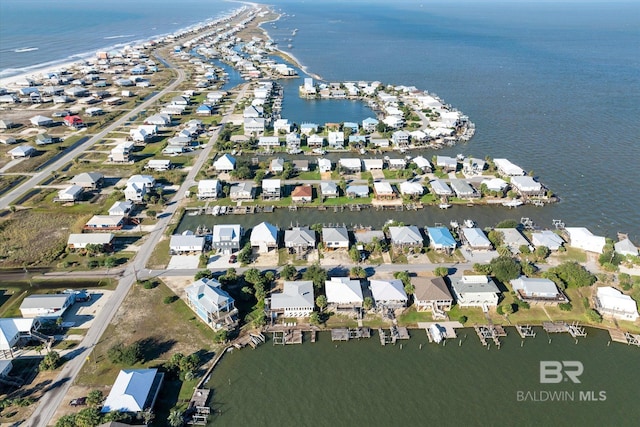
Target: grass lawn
x=571, y=254
x=411, y=317
x=160, y=256
x=162, y=330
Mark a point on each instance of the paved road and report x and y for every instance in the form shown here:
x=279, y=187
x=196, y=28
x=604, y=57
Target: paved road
x=36, y=178
x=52, y=400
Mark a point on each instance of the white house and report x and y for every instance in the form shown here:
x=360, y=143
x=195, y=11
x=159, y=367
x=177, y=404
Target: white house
x=350, y=165
x=208, y=189
x=476, y=291
x=295, y=300
x=226, y=237
x=225, y=163
x=475, y=238
x=537, y=290
x=46, y=305
x=626, y=247
x=264, y=237
x=81, y=240
x=271, y=189
x=388, y=293
x=324, y=165
x=505, y=167
x=343, y=293
x=21, y=151
x=336, y=139
x=612, y=302
x=135, y=192
x=70, y=193
x=134, y=390
x=268, y=142
x=335, y=238
x=299, y=239
x=526, y=185
x=581, y=238
x=411, y=188
x=211, y=303
x=159, y=165
x=121, y=208
x=547, y=238
x=186, y=243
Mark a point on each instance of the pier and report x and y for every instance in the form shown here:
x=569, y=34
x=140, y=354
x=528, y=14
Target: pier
x=198, y=411
x=525, y=331
x=624, y=337
x=490, y=332
x=395, y=333
x=574, y=329
x=287, y=336
x=448, y=327
x=344, y=334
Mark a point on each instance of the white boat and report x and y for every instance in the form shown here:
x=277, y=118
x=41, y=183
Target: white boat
x=223, y=210
x=454, y=224
x=437, y=333
x=469, y=223
x=216, y=210
x=513, y=203
x=444, y=205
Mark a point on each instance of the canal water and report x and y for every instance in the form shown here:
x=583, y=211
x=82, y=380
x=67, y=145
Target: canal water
x=361, y=383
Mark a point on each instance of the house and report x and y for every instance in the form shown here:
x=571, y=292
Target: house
x=350, y=165
x=302, y=193
x=254, y=126
x=204, y=110
x=611, y=302
x=208, y=189
x=324, y=165
x=242, y=191
x=440, y=238
x=281, y=125
x=22, y=151
x=315, y=140
x=527, y=186
x=8, y=140
x=122, y=208
x=292, y=141
x=268, y=142
x=226, y=237
x=146, y=181
x=186, y=244
x=300, y=165
x=88, y=180
x=497, y=185
x=397, y=164
x=476, y=291
x=253, y=111
x=135, y=390
x=343, y=294
x=41, y=121
x=370, y=124
x=505, y=167
x=373, y=164
x=276, y=165
x=11, y=332
x=135, y=192
x=357, y=140
x=581, y=238
x=625, y=247
x=121, y=153
x=159, y=165
x=264, y=237
x=295, y=300
x=328, y=189
x=400, y=138
x=463, y=190
x=336, y=139
x=380, y=142
x=224, y=163
x=73, y=122
x=431, y=294
x=50, y=306
x=140, y=134
x=69, y=194
x=472, y=166
x=548, y=239
x=405, y=236
x=383, y=190
x=211, y=303
x=448, y=164
x=299, y=239
x=104, y=223
x=45, y=139
x=513, y=239
x=308, y=128
x=537, y=290
x=365, y=236
x=271, y=189
x=354, y=191
x=411, y=188
x=80, y=241
x=475, y=238
x=440, y=188
x=335, y=238
x=388, y=293
x=158, y=120
x=94, y=111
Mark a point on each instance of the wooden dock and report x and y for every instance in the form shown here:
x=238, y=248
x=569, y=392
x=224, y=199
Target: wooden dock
x=624, y=337
x=574, y=329
x=386, y=338
x=490, y=332
x=344, y=334
x=449, y=327
x=340, y=334
x=525, y=331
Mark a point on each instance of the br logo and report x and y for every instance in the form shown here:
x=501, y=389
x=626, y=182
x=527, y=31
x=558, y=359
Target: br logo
x=555, y=371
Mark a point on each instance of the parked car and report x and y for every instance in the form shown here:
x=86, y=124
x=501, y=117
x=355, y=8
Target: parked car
x=61, y=113
x=233, y=259
x=80, y=401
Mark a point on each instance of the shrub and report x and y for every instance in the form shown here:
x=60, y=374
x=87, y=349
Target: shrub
x=500, y=310
x=594, y=316
x=126, y=355
x=149, y=284
x=463, y=319
x=51, y=361
x=565, y=306
x=169, y=299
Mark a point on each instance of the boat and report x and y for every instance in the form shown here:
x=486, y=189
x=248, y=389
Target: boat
x=223, y=210
x=437, y=333
x=454, y=224
x=444, y=205
x=460, y=157
x=216, y=210
x=469, y=223
x=513, y=203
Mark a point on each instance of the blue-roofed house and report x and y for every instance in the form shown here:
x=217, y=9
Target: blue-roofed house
x=351, y=125
x=440, y=238
x=135, y=390
x=211, y=303
x=204, y=110
x=369, y=124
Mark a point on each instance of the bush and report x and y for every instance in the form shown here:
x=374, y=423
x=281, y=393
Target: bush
x=149, y=284
x=500, y=310
x=594, y=316
x=125, y=355
x=523, y=304
x=170, y=299
x=463, y=319
x=565, y=306
x=51, y=361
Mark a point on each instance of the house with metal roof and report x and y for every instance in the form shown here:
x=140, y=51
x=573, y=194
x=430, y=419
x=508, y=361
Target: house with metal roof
x=440, y=187
x=411, y=188
x=475, y=238
x=343, y=294
x=448, y=164
x=88, y=180
x=373, y=164
x=105, y=223
x=350, y=165
x=527, y=186
x=440, y=238
x=264, y=237
x=271, y=189
x=626, y=247
x=355, y=191
x=299, y=239
x=226, y=237
x=208, y=189
x=383, y=190
x=241, y=191
x=547, y=238
x=69, y=194
x=21, y=151
x=46, y=305
x=225, y=163
x=295, y=300
x=82, y=240
x=613, y=303
x=537, y=290
x=505, y=167
x=388, y=293
x=463, y=189
x=121, y=208
x=186, y=244
x=476, y=291
x=581, y=238
x=213, y=305
x=328, y=189
x=335, y=238
x=134, y=390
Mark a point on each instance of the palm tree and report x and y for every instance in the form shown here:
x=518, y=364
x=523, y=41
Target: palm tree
x=175, y=418
x=504, y=250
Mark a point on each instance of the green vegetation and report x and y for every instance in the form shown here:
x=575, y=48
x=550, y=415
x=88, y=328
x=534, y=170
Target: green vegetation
x=570, y=274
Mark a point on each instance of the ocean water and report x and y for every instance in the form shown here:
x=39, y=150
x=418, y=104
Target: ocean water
x=552, y=86
x=34, y=33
